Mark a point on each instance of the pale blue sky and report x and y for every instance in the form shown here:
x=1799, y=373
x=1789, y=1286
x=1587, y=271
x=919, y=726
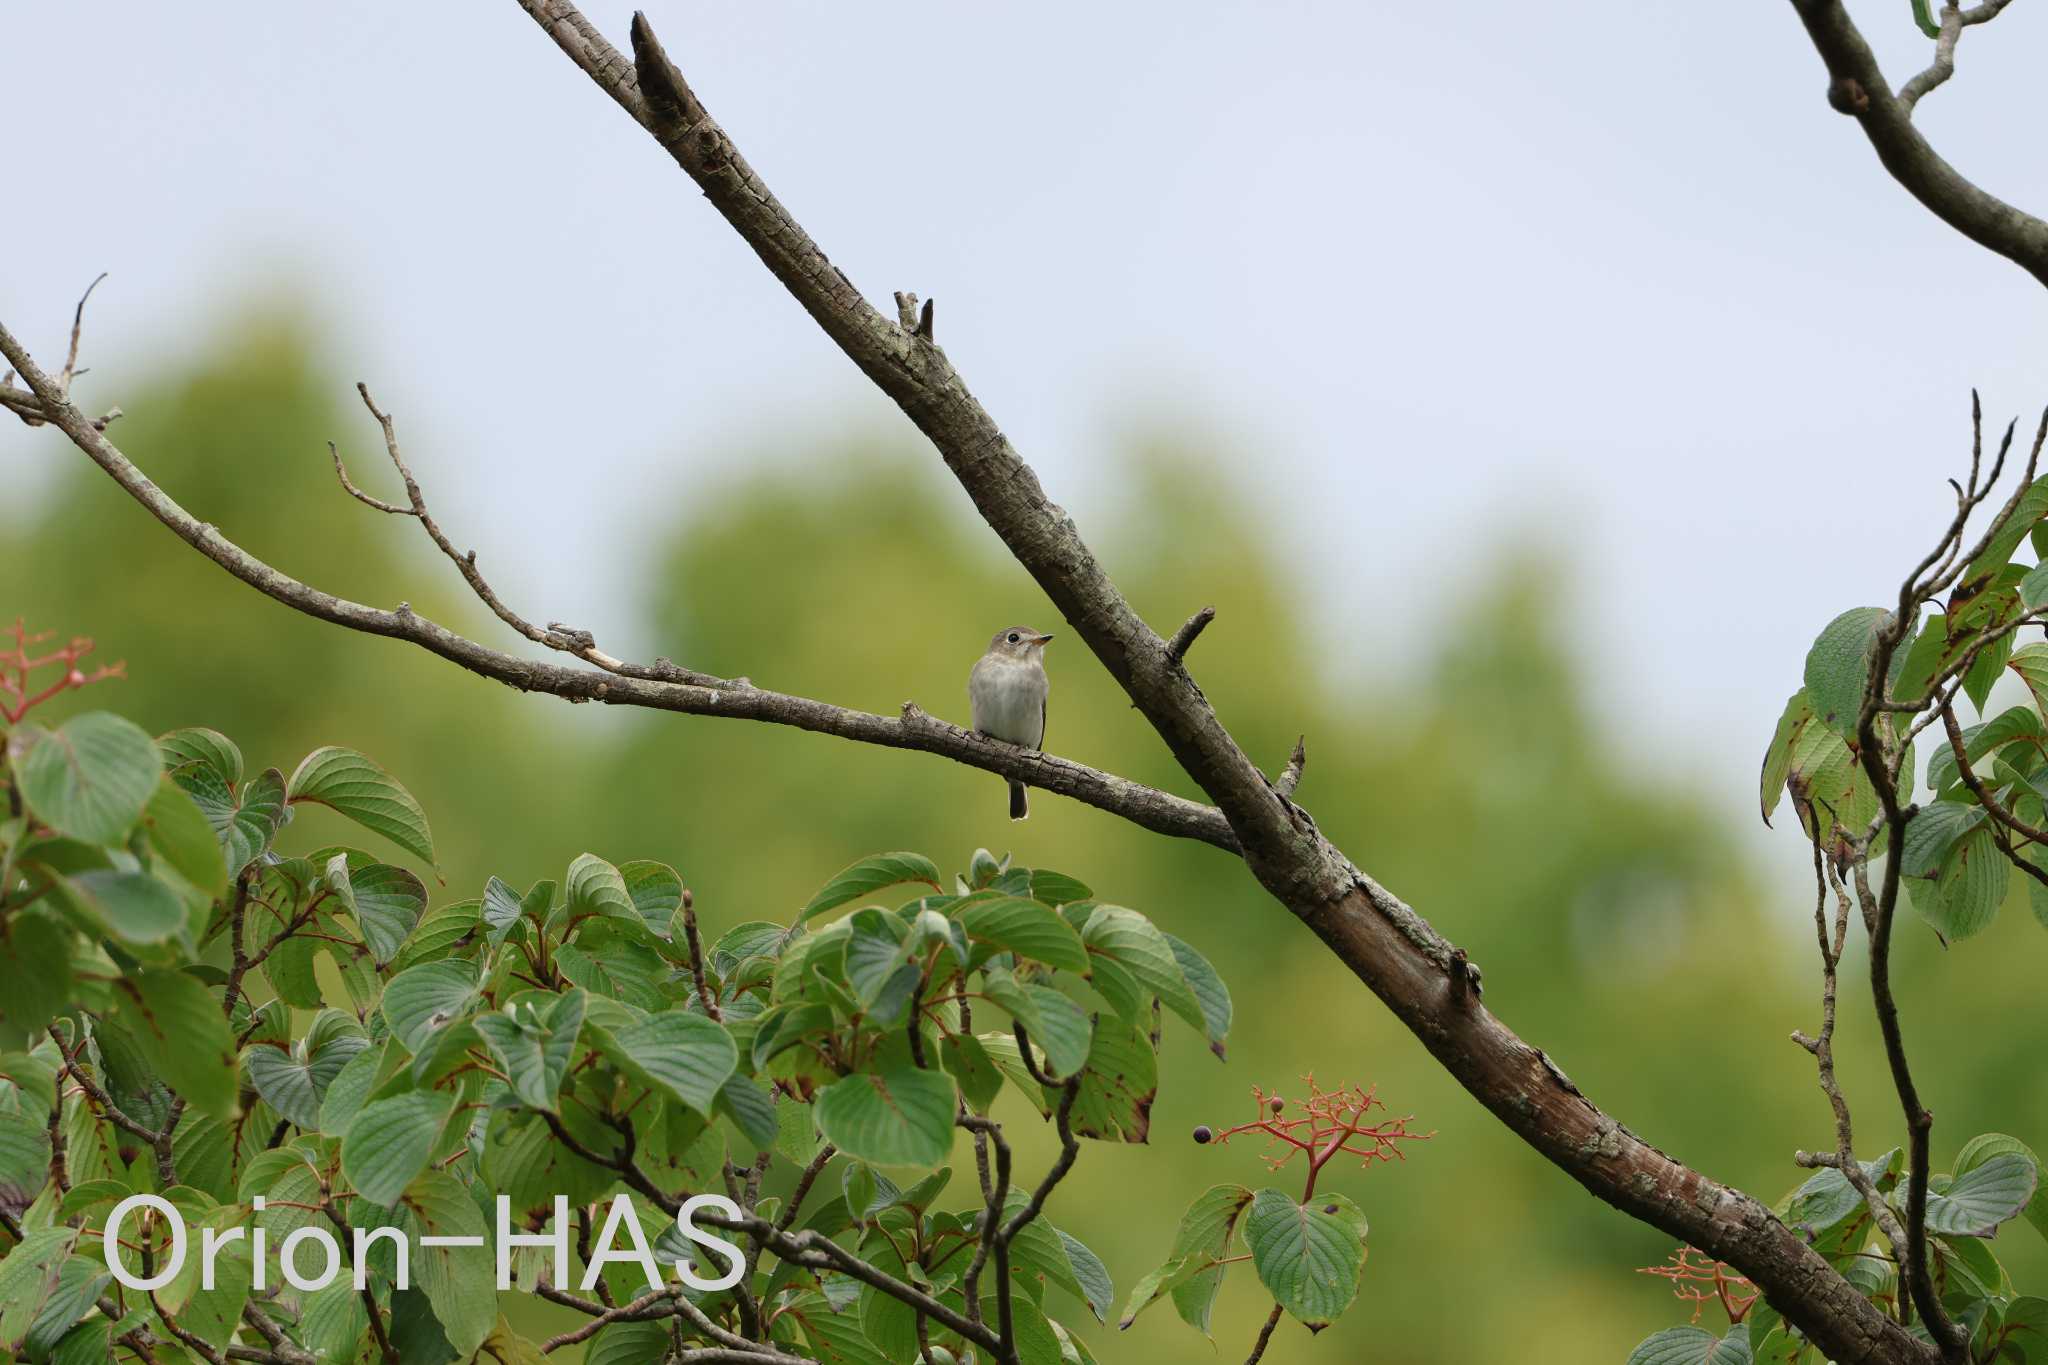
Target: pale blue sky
x=1425, y=270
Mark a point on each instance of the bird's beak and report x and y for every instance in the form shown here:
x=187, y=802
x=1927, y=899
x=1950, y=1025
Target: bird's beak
x=1042, y=640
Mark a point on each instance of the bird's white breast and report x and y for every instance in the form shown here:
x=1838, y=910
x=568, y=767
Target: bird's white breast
x=1008, y=700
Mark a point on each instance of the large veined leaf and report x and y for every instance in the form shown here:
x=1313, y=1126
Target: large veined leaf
x=421, y=999
x=385, y=901
x=1827, y=784
x=628, y=1343
x=878, y=954
x=245, y=825
x=2013, y=528
x=183, y=837
x=391, y=1141
x=1964, y=895
x=1118, y=1084
x=657, y=893
x=1838, y=666
x=1142, y=958
x=594, y=887
x=1026, y=927
x=1207, y=984
x=1307, y=1255
x=688, y=1055
x=197, y=744
x=129, y=905
x=90, y=777
x=35, y=968
x=1827, y=1197
x=352, y=785
x=1058, y=1026
x=1194, y=1272
x=2015, y=724
x=180, y=1027
x=459, y=1281
x=1778, y=757
x=899, y=1117
x=1693, y=1346
x=870, y=875
x=293, y=1080
x=1983, y=1147
x=533, y=1047
x=1978, y=1201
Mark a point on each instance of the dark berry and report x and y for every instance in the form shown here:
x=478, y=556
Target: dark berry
x=1202, y=1132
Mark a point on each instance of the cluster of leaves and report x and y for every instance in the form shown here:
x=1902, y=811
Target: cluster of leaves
x=285, y=1041
x=1995, y=1180
x=1958, y=859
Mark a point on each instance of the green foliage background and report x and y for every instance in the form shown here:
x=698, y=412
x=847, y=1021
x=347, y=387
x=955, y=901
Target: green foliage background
x=1622, y=925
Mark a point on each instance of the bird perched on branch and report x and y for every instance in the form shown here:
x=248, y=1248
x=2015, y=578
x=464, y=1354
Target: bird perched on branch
x=1007, y=692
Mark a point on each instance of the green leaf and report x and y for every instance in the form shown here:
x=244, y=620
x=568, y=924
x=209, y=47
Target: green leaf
x=535, y=1048
x=421, y=999
x=628, y=1343
x=870, y=875
x=385, y=901
x=2018, y=723
x=1933, y=832
x=967, y=1062
x=1194, y=1272
x=459, y=1282
x=1982, y=1148
x=244, y=826
x=211, y=748
x=2026, y=1328
x=2031, y=663
x=690, y=1056
x=90, y=777
x=877, y=951
x=595, y=887
x=1026, y=928
x=350, y=784
x=900, y=1117
x=502, y=908
x=133, y=906
x=657, y=893
x=1977, y=1202
x=1778, y=757
x=35, y=968
x=1838, y=666
x=391, y=1141
x=294, y=1080
x=2013, y=528
x=1827, y=1198
x=1129, y=940
x=178, y=1023
x=1057, y=889
x=1207, y=984
x=1307, y=1255
x=1693, y=1346
x=1965, y=894
x=1117, y=1085
x=752, y=1110
x=1097, y=1290
x=183, y=837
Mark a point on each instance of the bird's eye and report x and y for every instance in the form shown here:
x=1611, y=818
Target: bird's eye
x=1013, y=637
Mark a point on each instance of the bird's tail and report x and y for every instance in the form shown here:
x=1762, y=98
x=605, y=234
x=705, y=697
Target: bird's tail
x=1020, y=806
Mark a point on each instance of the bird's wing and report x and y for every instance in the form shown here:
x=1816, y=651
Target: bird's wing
x=1040, y=746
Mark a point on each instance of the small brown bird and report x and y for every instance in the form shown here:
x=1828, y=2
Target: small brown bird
x=1007, y=692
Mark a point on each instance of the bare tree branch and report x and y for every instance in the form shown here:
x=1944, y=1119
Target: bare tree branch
x=1954, y=19
x=1857, y=87
x=1144, y=806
